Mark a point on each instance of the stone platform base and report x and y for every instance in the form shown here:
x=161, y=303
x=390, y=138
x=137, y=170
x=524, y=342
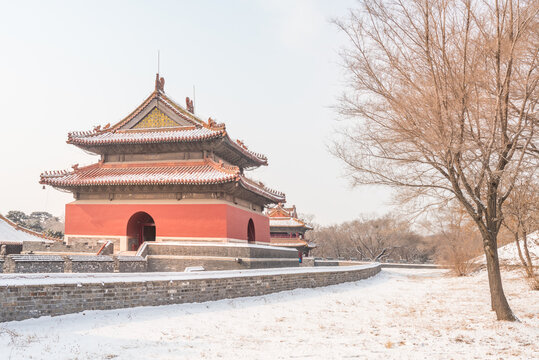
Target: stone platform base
x=169, y=256
x=163, y=263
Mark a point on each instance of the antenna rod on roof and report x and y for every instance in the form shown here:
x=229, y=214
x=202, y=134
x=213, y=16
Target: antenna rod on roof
x=194, y=99
x=158, y=61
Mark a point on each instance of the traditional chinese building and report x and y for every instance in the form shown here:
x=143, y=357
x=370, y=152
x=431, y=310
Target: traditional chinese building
x=12, y=236
x=287, y=230
x=163, y=175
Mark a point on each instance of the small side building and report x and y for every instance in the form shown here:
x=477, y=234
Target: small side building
x=287, y=230
x=13, y=235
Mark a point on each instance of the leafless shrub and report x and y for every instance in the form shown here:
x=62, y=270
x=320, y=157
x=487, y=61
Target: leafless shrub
x=456, y=255
x=458, y=243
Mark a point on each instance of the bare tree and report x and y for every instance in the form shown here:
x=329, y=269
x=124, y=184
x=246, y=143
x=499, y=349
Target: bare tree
x=374, y=239
x=445, y=93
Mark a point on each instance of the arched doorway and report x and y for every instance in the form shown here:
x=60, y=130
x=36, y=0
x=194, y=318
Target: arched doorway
x=251, y=231
x=140, y=228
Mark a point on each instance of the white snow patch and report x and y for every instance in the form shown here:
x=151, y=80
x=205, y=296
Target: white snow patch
x=508, y=254
x=399, y=314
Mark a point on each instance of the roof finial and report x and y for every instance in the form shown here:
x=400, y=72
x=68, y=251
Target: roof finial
x=189, y=105
x=159, y=81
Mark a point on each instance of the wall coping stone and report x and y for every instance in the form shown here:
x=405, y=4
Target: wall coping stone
x=7, y=280
x=34, y=258
x=92, y=258
x=130, y=258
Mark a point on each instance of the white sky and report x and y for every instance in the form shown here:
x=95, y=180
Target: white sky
x=268, y=69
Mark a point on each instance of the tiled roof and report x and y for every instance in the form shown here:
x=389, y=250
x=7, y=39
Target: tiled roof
x=11, y=232
x=280, y=211
x=144, y=136
x=204, y=172
x=199, y=130
x=286, y=222
x=291, y=242
x=281, y=216
x=184, y=173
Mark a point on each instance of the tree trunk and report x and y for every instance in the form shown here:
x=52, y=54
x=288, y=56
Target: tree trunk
x=526, y=264
x=498, y=300
x=529, y=268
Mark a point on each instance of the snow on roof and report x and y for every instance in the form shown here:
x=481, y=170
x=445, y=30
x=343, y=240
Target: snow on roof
x=281, y=216
x=200, y=172
x=286, y=222
x=12, y=233
x=145, y=137
x=200, y=130
x=204, y=172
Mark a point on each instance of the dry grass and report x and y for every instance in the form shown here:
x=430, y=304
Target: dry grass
x=534, y=283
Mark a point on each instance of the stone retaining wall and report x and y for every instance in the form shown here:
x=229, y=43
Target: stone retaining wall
x=22, y=299
x=34, y=264
x=89, y=264
x=60, y=246
x=172, y=256
x=163, y=263
x=31, y=263
x=218, y=250
x=130, y=264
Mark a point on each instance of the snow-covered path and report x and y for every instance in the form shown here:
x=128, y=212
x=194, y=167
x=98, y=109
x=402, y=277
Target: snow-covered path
x=399, y=314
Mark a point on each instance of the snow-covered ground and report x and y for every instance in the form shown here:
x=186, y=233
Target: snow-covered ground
x=508, y=254
x=399, y=314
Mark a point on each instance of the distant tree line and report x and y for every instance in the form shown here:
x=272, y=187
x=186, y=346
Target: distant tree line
x=385, y=239
x=39, y=221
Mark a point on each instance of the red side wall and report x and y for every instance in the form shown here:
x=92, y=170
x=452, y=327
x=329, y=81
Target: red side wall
x=171, y=220
x=237, y=220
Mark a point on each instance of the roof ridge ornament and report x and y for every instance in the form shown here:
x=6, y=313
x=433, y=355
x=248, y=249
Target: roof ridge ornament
x=159, y=83
x=189, y=105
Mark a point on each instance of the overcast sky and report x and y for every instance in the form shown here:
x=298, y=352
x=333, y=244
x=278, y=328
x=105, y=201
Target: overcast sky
x=268, y=69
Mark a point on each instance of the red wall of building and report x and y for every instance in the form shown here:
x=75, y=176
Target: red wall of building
x=171, y=220
x=238, y=219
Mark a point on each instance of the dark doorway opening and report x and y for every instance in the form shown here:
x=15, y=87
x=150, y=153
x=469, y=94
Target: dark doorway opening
x=140, y=228
x=251, y=231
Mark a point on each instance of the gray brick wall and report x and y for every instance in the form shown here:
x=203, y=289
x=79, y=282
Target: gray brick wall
x=34, y=264
x=59, y=246
x=221, y=251
x=161, y=263
x=90, y=264
x=18, y=302
x=128, y=264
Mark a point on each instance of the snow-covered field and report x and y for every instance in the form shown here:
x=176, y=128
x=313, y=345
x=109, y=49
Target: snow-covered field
x=399, y=314
x=508, y=254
